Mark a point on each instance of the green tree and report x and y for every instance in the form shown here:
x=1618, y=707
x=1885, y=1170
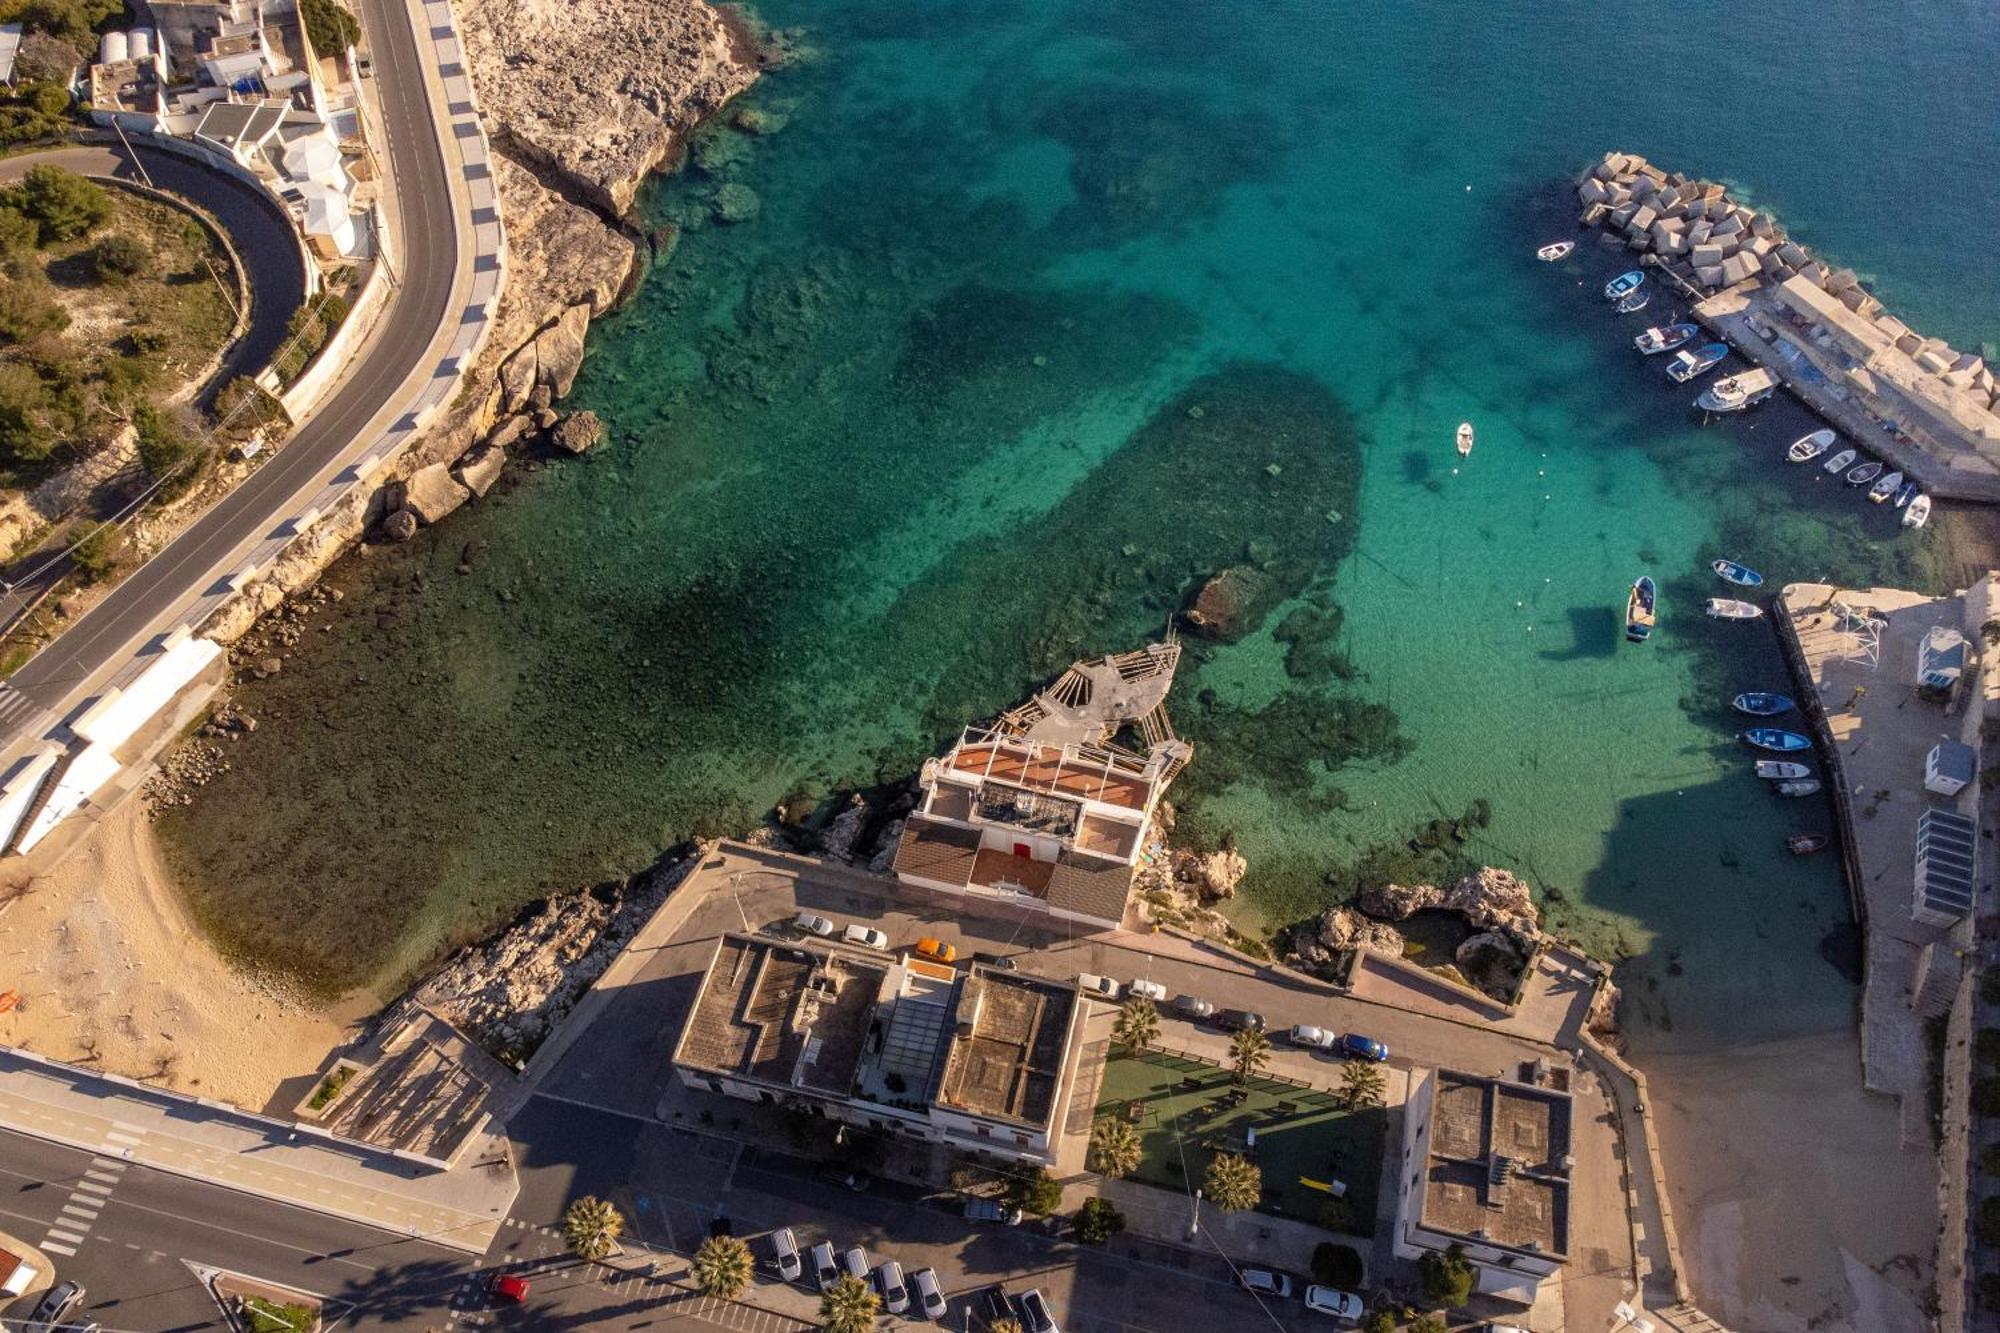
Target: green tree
x=849, y=1306
x=27, y=312
x=26, y=435
x=1138, y=1026
x=119, y=256
x=1445, y=1279
x=1337, y=1266
x=1034, y=1192
x=1249, y=1052
x=1233, y=1183
x=723, y=1267
x=18, y=238
x=1098, y=1221
x=1114, y=1148
x=1335, y=1215
x=591, y=1227
x=1361, y=1084
x=163, y=447
x=96, y=556
x=1382, y=1321
x=62, y=205
x=329, y=25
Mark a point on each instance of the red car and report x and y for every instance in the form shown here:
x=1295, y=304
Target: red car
x=508, y=1287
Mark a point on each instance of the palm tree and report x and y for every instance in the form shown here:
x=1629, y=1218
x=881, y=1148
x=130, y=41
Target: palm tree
x=1138, y=1026
x=849, y=1306
x=591, y=1228
x=1233, y=1183
x=723, y=1267
x=1249, y=1050
x=1361, y=1084
x=1114, y=1148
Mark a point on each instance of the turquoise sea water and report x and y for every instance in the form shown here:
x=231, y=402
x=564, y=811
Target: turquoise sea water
x=1048, y=310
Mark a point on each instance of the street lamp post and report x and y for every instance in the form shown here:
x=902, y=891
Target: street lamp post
x=1194, y=1215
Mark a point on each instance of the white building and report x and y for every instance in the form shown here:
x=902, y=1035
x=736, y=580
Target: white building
x=1941, y=658
x=1949, y=767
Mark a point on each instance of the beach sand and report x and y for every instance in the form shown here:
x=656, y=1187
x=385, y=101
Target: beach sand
x=111, y=973
x=1797, y=1209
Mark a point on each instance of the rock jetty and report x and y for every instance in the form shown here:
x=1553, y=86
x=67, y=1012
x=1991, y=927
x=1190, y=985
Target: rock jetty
x=1496, y=903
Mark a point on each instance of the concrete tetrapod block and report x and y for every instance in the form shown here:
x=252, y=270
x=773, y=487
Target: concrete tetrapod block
x=1707, y=255
x=1592, y=191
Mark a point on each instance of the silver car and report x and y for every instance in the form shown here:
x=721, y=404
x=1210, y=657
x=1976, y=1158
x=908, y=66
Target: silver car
x=785, y=1246
x=930, y=1296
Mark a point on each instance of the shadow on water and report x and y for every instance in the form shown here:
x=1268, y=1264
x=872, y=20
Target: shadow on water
x=1594, y=631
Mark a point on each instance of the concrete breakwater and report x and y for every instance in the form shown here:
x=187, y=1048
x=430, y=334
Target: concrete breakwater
x=1932, y=410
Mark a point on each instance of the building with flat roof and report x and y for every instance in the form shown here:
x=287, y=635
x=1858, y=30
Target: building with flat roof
x=1049, y=804
x=1486, y=1166
x=979, y=1058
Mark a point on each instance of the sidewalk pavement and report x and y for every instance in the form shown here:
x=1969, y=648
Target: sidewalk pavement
x=205, y=1141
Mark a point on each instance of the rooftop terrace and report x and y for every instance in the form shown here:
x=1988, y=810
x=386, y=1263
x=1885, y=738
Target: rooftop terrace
x=1499, y=1168
x=782, y=1015
x=1007, y=1047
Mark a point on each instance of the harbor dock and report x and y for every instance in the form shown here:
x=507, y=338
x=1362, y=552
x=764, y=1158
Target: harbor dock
x=1922, y=406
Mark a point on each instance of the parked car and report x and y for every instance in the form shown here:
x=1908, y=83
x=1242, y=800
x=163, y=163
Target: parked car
x=1241, y=1020
x=895, y=1291
x=991, y=1210
x=808, y=924
x=855, y=1261
x=1151, y=990
x=786, y=1247
x=1319, y=1039
x=825, y=1270
x=999, y=960
x=54, y=1307
x=508, y=1288
x=993, y=1304
x=1340, y=1304
x=1192, y=1006
x=866, y=936
x=1354, y=1045
x=930, y=1296
x=936, y=950
x=1035, y=1315
x=1268, y=1282
x=1092, y=984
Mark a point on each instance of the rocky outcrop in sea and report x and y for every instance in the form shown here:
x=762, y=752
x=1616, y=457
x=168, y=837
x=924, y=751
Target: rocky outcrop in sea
x=1496, y=903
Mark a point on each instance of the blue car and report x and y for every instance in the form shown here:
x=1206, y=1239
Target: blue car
x=1357, y=1047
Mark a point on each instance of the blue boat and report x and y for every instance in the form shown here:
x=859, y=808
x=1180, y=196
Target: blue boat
x=1741, y=575
x=1623, y=285
x=1639, y=607
x=1770, y=738
x=1693, y=365
x=1761, y=705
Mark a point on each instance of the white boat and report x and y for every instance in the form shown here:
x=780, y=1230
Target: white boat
x=1808, y=447
x=1840, y=461
x=1777, y=770
x=1919, y=512
x=1728, y=608
x=1801, y=787
x=1738, y=391
x=1464, y=438
x=1864, y=474
x=1885, y=486
x=1550, y=253
x=1663, y=338
x=1693, y=365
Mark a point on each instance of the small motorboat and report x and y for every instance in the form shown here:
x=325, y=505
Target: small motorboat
x=1725, y=608
x=1741, y=575
x=1919, y=512
x=1464, y=438
x=1759, y=704
x=1776, y=740
x=1632, y=304
x=1885, y=486
x=1781, y=770
x=1864, y=474
x=1805, y=844
x=1802, y=787
x=1639, y=609
x=1907, y=494
x=1555, y=250
x=1738, y=391
x=1664, y=338
x=1624, y=285
x=1693, y=365
x=1839, y=462
x=1808, y=447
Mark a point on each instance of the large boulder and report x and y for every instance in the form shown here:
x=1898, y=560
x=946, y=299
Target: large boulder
x=400, y=526
x=432, y=492
x=577, y=432
x=1221, y=871
x=843, y=831
x=1496, y=899
x=1320, y=943
x=1231, y=604
x=559, y=349
x=1398, y=902
x=478, y=470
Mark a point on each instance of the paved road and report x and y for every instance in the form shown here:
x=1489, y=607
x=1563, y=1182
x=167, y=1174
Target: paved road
x=429, y=262
x=261, y=235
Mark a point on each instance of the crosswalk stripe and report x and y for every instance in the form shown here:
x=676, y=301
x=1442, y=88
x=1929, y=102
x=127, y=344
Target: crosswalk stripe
x=101, y=1177
x=71, y=1236
x=53, y=1248
x=84, y=1216
x=92, y=1187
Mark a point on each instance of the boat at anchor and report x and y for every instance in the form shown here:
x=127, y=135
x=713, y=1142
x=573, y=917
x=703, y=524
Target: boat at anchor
x=1776, y=740
x=1664, y=338
x=1808, y=447
x=1464, y=438
x=1555, y=250
x=1624, y=285
x=1741, y=575
x=1639, y=609
x=1759, y=704
x=1693, y=365
x=1728, y=608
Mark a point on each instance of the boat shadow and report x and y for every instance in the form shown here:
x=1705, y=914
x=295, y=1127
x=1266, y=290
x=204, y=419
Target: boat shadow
x=1594, y=631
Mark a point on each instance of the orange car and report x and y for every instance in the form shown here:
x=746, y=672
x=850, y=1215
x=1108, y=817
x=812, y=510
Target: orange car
x=937, y=950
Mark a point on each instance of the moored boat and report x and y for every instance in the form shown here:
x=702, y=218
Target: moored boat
x=1741, y=575
x=1800, y=787
x=1885, y=486
x=1781, y=770
x=1776, y=740
x=1919, y=512
x=1693, y=365
x=1624, y=285
x=1839, y=462
x=1633, y=303
x=1808, y=447
x=1464, y=438
x=1907, y=494
x=1639, y=609
x=1727, y=608
x=1738, y=391
x=1805, y=844
x=1864, y=474
x=1759, y=704
x=1555, y=250
x=1664, y=338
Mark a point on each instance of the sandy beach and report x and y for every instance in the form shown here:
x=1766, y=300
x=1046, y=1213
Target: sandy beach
x=111, y=973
